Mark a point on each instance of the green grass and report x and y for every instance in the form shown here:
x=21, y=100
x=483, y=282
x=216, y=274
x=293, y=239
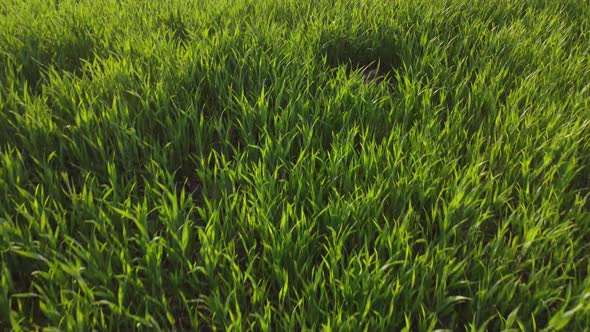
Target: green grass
x=221, y=165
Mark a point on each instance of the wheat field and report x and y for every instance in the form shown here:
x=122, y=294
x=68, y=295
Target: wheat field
x=282, y=165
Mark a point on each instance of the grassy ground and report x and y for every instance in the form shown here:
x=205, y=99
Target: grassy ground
x=185, y=165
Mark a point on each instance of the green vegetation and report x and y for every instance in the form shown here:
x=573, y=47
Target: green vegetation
x=186, y=165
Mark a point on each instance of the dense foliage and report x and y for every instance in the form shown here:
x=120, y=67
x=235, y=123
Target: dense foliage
x=224, y=164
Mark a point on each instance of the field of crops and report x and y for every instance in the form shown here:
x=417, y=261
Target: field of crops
x=229, y=165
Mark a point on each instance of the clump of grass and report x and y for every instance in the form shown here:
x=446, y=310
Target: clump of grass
x=224, y=165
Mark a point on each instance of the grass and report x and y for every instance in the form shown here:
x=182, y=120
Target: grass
x=221, y=165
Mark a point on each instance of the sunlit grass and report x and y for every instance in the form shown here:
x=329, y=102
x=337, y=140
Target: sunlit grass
x=225, y=165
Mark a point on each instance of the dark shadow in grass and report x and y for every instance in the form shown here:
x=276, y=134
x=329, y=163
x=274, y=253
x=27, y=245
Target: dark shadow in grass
x=67, y=52
x=27, y=304
x=581, y=182
x=226, y=139
x=376, y=61
x=174, y=23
